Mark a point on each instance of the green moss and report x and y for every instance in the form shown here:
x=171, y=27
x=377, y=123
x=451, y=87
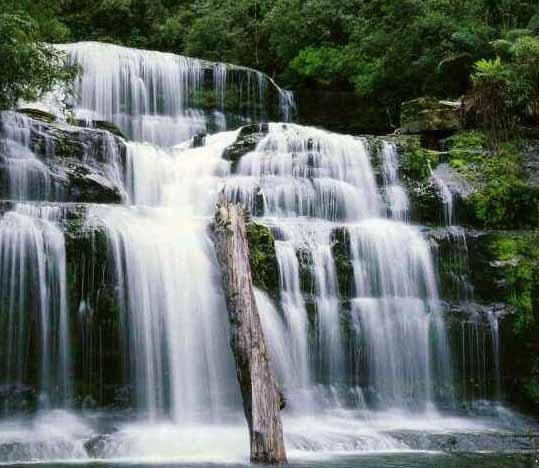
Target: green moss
x=343, y=265
x=64, y=147
x=416, y=162
x=263, y=258
x=467, y=141
x=502, y=197
x=517, y=262
x=416, y=165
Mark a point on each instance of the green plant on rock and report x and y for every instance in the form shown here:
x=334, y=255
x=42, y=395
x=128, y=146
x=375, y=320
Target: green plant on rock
x=502, y=197
x=263, y=258
x=495, y=100
x=416, y=162
x=517, y=269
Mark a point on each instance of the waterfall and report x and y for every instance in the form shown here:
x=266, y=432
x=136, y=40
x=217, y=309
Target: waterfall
x=355, y=325
x=303, y=171
x=27, y=176
x=33, y=294
x=396, y=309
x=447, y=198
x=179, y=368
x=165, y=98
x=312, y=183
x=178, y=330
x=294, y=310
x=477, y=341
x=395, y=194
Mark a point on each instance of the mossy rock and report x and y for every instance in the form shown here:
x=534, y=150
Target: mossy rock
x=77, y=160
x=343, y=263
x=263, y=258
x=504, y=193
x=416, y=164
x=247, y=140
x=504, y=267
x=96, y=311
x=109, y=127
x=427, y=114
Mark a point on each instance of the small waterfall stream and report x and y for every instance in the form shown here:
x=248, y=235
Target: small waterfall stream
x=354, y=369
x=33, y=279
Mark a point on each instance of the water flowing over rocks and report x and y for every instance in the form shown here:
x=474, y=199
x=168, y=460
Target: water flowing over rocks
x=389, y=327
x=53, y=161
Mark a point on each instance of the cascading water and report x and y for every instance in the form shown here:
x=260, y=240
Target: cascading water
x=354, y=367
x=27, y=176
x=33, y=294
x=179, y=368
x=395, y=194
x=165, y=98
x=301, y=172
x=477, y=340
x=397, y=314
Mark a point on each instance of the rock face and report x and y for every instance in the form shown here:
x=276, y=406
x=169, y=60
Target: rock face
x=263, y=258
x=427, y=115
x=62, y=162
x=258, y=384
x=247, y=140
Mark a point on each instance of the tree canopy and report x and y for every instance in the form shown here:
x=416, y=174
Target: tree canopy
x=387, y=50
x=29, y=66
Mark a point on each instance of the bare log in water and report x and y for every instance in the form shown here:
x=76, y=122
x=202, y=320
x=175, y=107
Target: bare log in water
x=258, y=384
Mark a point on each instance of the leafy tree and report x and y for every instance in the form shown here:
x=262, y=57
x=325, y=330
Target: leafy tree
x=383, y=50
x=29, y=66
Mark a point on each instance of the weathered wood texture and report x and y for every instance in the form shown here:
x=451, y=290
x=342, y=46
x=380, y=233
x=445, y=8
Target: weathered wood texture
x=258, y=384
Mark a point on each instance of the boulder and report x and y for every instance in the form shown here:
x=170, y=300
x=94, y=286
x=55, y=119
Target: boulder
x=429, y=115
x=246, y=142
x=78, y=164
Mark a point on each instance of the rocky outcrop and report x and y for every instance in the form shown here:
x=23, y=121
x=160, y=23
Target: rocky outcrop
x=246, y=142
x=258, y=383
x=93, y=293
x=71, y=163
x=429, y=115
x=263, y=258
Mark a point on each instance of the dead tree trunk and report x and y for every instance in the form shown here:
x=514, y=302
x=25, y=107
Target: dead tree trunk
x=258, y=384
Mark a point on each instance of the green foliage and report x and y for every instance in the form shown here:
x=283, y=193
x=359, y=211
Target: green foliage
x=533, y=25
x=517, y=259
x=29, y=66
x=416, y=162
x=526, y=57
x=503, y=198
x=325, y=65
x=467, y=141
x=516, y=34
x=496, y=98
x=388, y=50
